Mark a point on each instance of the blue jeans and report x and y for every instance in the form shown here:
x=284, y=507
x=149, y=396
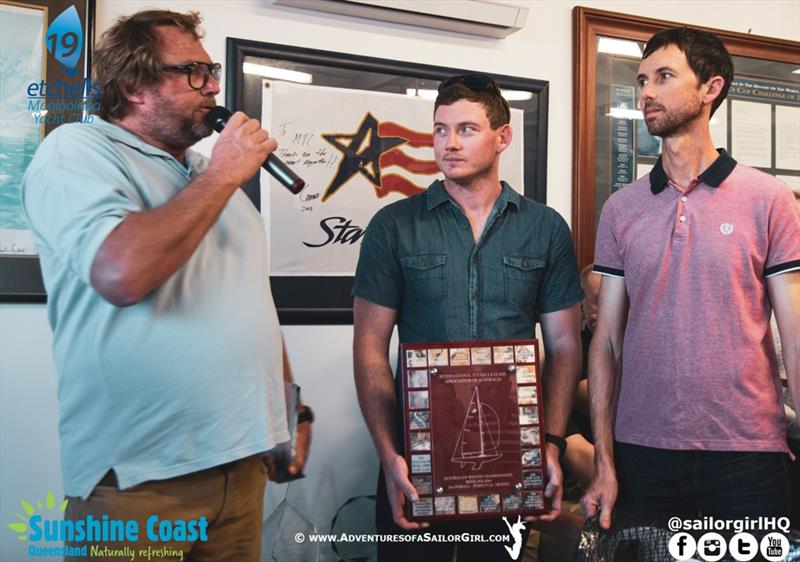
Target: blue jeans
x=722, y=484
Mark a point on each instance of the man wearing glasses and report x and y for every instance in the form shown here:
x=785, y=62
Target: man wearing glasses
x=166, y=339
x=468, y=259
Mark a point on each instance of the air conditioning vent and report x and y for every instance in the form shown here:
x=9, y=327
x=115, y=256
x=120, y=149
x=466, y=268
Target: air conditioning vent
x=474, y=17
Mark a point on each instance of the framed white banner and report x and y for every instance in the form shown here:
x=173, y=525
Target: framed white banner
x=357, y=151
x=341, y=92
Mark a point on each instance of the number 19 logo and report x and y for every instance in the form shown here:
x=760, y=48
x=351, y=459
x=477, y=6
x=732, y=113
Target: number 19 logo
x=64, y=39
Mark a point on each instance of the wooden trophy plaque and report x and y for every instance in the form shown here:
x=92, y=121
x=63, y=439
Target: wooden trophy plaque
x=473, y=429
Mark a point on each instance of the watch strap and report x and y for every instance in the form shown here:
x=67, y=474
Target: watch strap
x=559, y=442
x=305, y=415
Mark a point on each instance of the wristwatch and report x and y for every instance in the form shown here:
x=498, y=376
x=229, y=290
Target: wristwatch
x=559, y=442
x=306, y=415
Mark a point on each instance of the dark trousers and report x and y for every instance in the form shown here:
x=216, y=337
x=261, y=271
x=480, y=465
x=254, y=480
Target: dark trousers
x=794, y=479
x=722, y=484
x=440, y=551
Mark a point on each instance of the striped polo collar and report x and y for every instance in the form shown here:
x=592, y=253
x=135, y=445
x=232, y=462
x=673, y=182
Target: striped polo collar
x=713, y=176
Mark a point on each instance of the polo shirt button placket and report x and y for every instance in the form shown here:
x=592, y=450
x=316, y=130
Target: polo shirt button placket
x=681, y=232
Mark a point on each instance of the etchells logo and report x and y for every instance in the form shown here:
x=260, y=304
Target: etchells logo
x=64, y=39
x=63, y=101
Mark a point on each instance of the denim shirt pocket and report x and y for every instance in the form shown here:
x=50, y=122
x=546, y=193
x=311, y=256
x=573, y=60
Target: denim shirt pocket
x=425, y=276
x=522, y=274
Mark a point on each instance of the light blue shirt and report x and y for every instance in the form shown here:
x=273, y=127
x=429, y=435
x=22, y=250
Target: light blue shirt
x=191, y=376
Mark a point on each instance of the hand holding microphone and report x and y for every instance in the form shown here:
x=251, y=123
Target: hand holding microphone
x=249, y=131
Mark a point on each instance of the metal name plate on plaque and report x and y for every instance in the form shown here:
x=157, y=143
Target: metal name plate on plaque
x=473, y=429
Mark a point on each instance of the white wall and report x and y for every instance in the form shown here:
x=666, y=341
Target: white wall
x=543, y=49
x=321, y=355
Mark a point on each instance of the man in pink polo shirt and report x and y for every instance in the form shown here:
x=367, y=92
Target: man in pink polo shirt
x=684, y=389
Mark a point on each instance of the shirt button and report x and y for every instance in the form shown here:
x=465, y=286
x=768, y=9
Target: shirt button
x=424, y=263
x=524, y=263
x=683, y=198
x=475, y=295
x=465, y=227
x=683, y=218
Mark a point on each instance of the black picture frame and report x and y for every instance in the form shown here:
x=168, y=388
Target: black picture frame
x=327, y=300
x=21, y=276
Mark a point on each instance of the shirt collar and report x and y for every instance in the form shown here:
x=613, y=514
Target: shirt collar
x=713, y=176
x=437, y=195
x=126, y=137
x=193, y=160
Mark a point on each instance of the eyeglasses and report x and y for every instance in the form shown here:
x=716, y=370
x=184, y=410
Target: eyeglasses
x=197, y=72
x=473, y=81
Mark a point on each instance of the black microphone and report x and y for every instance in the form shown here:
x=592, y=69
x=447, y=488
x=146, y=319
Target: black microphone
x=216, y=119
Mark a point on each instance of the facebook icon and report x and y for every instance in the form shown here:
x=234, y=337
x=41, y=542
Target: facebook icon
x=682, y=546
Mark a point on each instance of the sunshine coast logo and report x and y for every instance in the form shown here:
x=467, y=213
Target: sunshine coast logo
x=31, y=523
x=31, y=515
x=64, y=101
x=43, y=526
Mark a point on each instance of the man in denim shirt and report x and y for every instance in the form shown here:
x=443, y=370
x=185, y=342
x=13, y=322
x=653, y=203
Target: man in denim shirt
x=468, y=259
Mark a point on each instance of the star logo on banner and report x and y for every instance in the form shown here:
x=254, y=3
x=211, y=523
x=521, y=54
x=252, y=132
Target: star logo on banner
x=362, y=154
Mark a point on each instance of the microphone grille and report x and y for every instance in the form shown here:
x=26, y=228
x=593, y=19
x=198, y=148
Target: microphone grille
x=217, y=117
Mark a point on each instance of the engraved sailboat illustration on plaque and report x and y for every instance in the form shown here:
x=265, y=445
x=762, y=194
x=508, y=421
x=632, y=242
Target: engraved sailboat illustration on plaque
x=477, y=442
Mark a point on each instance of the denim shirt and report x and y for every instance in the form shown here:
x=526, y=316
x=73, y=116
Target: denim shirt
x=419, y=257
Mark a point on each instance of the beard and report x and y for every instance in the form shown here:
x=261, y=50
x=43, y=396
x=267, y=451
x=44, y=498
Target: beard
x=173, y=126
x=670, y=123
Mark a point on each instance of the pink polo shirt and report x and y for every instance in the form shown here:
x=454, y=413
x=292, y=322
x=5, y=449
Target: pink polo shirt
x=699, y=369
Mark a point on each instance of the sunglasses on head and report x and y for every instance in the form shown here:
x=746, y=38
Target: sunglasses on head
x=473, y=81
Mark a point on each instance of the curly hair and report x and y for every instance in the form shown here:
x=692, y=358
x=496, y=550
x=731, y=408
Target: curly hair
x=127, y=57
